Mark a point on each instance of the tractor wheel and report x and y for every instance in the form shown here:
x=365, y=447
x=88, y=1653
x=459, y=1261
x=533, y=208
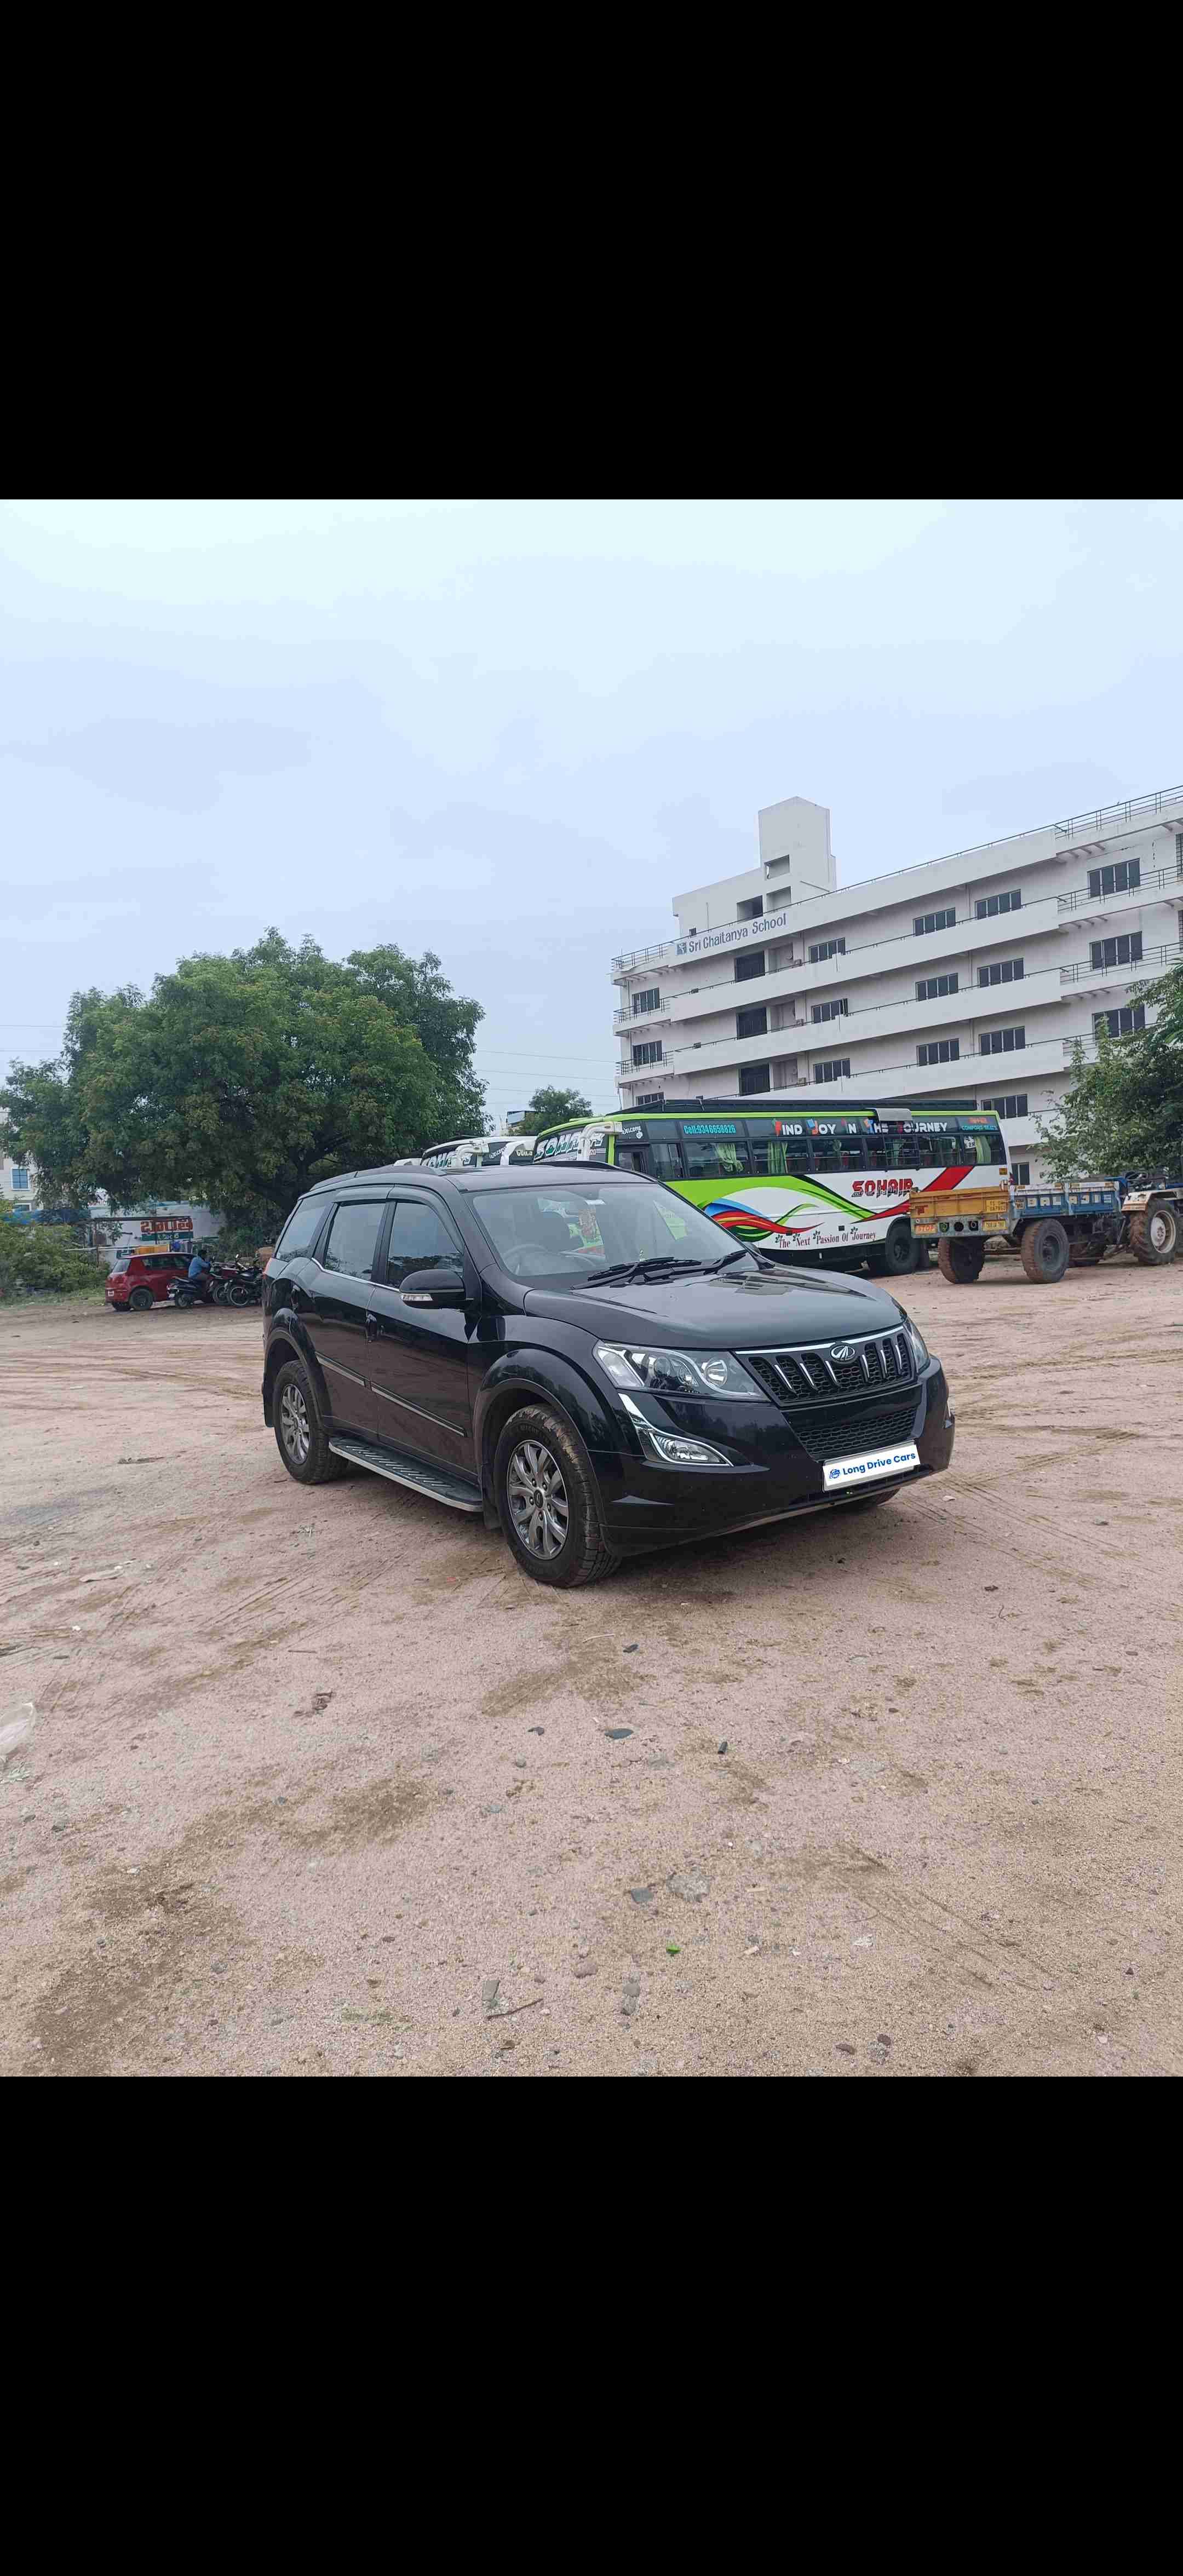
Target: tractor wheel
x=959, y=1262
x=1154, y=1233
x=1044, y=1251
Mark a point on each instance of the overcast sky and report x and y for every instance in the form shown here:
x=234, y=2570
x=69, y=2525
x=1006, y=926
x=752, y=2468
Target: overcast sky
x=509, y=731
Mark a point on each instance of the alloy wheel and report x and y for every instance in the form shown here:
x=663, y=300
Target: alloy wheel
x=294, y=1428
x=537, y=1499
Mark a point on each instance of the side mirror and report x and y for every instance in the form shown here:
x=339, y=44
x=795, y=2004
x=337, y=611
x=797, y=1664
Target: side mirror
x=442, y=1287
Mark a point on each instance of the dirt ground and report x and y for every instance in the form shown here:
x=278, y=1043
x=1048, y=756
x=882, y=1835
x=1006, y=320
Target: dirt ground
x=290, y=1778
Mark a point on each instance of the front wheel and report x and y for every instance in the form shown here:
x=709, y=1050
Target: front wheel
x=960, y=1262
x=547, y=1503
x=300, y=1435
x=1154, y=1233
x=1044, y=1251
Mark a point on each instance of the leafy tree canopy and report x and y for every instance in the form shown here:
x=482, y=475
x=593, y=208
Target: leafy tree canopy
x=1123, y=1111
x=43, y=1257
x=241, y=1079
x=550, y=1107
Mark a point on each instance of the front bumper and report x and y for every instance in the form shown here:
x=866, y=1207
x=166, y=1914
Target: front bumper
x=772, y=1471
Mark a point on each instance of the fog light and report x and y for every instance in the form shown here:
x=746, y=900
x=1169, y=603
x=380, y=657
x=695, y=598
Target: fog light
x=675, y=1450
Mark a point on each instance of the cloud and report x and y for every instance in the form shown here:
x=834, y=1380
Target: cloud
x=177, y=768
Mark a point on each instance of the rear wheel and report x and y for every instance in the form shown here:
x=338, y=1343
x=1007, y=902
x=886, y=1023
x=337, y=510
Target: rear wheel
x=900, y=1254
x=1044, y=1251
x=141, y=1299
x=300, y=1436
x=1154, y=1233
x=547, y=1501
x=960, y=1262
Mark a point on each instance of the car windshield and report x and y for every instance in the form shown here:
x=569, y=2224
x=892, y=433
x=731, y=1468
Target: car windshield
x=564, y=1236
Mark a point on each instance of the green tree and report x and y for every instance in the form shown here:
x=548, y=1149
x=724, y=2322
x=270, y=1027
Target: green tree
x=551, y=1108
x=241, y=1079
x=1123, y=1109
x=43, y=1256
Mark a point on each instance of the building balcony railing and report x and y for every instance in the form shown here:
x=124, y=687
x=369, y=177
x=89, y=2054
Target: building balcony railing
x=1111, y=818
x=1151, y=883
x=1153, y=961
x=638, y=1019
x=627, y=1071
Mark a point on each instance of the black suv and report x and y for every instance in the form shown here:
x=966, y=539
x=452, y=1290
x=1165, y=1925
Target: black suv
x=579, y=1355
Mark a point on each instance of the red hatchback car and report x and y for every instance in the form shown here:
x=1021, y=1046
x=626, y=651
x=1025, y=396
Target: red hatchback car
x=141, y=1279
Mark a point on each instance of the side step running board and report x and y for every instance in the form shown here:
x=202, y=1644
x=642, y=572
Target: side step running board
x=433, y=1481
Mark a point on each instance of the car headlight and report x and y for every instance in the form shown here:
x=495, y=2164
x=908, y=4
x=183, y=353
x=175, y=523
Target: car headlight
x=676, y=1372
x=917, y=1340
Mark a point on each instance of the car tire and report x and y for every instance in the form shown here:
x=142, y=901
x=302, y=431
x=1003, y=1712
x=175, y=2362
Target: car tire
x=1044, y=1251
x=141, y=1299
x=539, y=1461
x=960, y=1262
x=300, y=1435
x=1154, y=1234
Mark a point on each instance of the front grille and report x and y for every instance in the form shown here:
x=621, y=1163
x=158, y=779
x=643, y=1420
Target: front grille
x=837, y=1434
x=800, y=1376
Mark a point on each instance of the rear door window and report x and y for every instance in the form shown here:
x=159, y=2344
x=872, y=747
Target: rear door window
x=419, y=1240
x=353, y=1238
x=302, y=1228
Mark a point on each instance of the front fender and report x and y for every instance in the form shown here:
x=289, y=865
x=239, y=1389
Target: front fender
x=287, y=1339
x=547, y=1377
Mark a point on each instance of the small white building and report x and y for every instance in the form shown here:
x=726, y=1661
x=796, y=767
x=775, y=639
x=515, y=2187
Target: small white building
x=966, y=978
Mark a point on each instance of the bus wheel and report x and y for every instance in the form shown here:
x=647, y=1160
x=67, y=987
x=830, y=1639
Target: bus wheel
x=960, y=1263
x=1044, y=1251
x=900, y=1254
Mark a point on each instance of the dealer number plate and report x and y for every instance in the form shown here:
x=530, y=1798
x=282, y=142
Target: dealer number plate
x=873, y=1464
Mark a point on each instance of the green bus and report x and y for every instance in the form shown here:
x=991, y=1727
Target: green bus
x=795, y=1181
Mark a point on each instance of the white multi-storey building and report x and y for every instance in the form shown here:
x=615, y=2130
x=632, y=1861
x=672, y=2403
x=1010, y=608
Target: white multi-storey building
x=966, y=978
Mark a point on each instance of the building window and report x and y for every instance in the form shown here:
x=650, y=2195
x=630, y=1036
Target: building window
x=747, y=965
x=1003, y=1041
x=751, y=910
x=830, y=1010
x=1009, y=1104
x=20, y=1176
x=939, y=1051
x=926, y=922
x=648, y=1099
x=824, y=948
x=838, y=1071
x=989, y=904
x=649, y=1053
x=1126, y=951
x=1122, y=877
x=1121, y=1024
x=753, y=1023
x=755, y=1077
x=1009, y=970
x=1021, y=1175
x=647, y=1001
x=933, y=988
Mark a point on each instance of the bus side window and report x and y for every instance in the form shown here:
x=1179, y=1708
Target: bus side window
x=874, y=1154
x=773, y=1156
x=714, y=1158
x=667, y=1157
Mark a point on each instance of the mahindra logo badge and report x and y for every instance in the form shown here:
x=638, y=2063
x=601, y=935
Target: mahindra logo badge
x=842, y=1350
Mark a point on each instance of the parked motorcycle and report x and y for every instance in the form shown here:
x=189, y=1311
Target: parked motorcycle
x=222, y=1278
x=190, y=1292
x=246, y=1286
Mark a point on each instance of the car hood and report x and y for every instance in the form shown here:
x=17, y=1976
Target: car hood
x=722, y=1312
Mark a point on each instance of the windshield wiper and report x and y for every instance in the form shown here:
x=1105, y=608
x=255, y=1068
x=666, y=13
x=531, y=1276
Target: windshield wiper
x=664, y=1261
x=728, y=1258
